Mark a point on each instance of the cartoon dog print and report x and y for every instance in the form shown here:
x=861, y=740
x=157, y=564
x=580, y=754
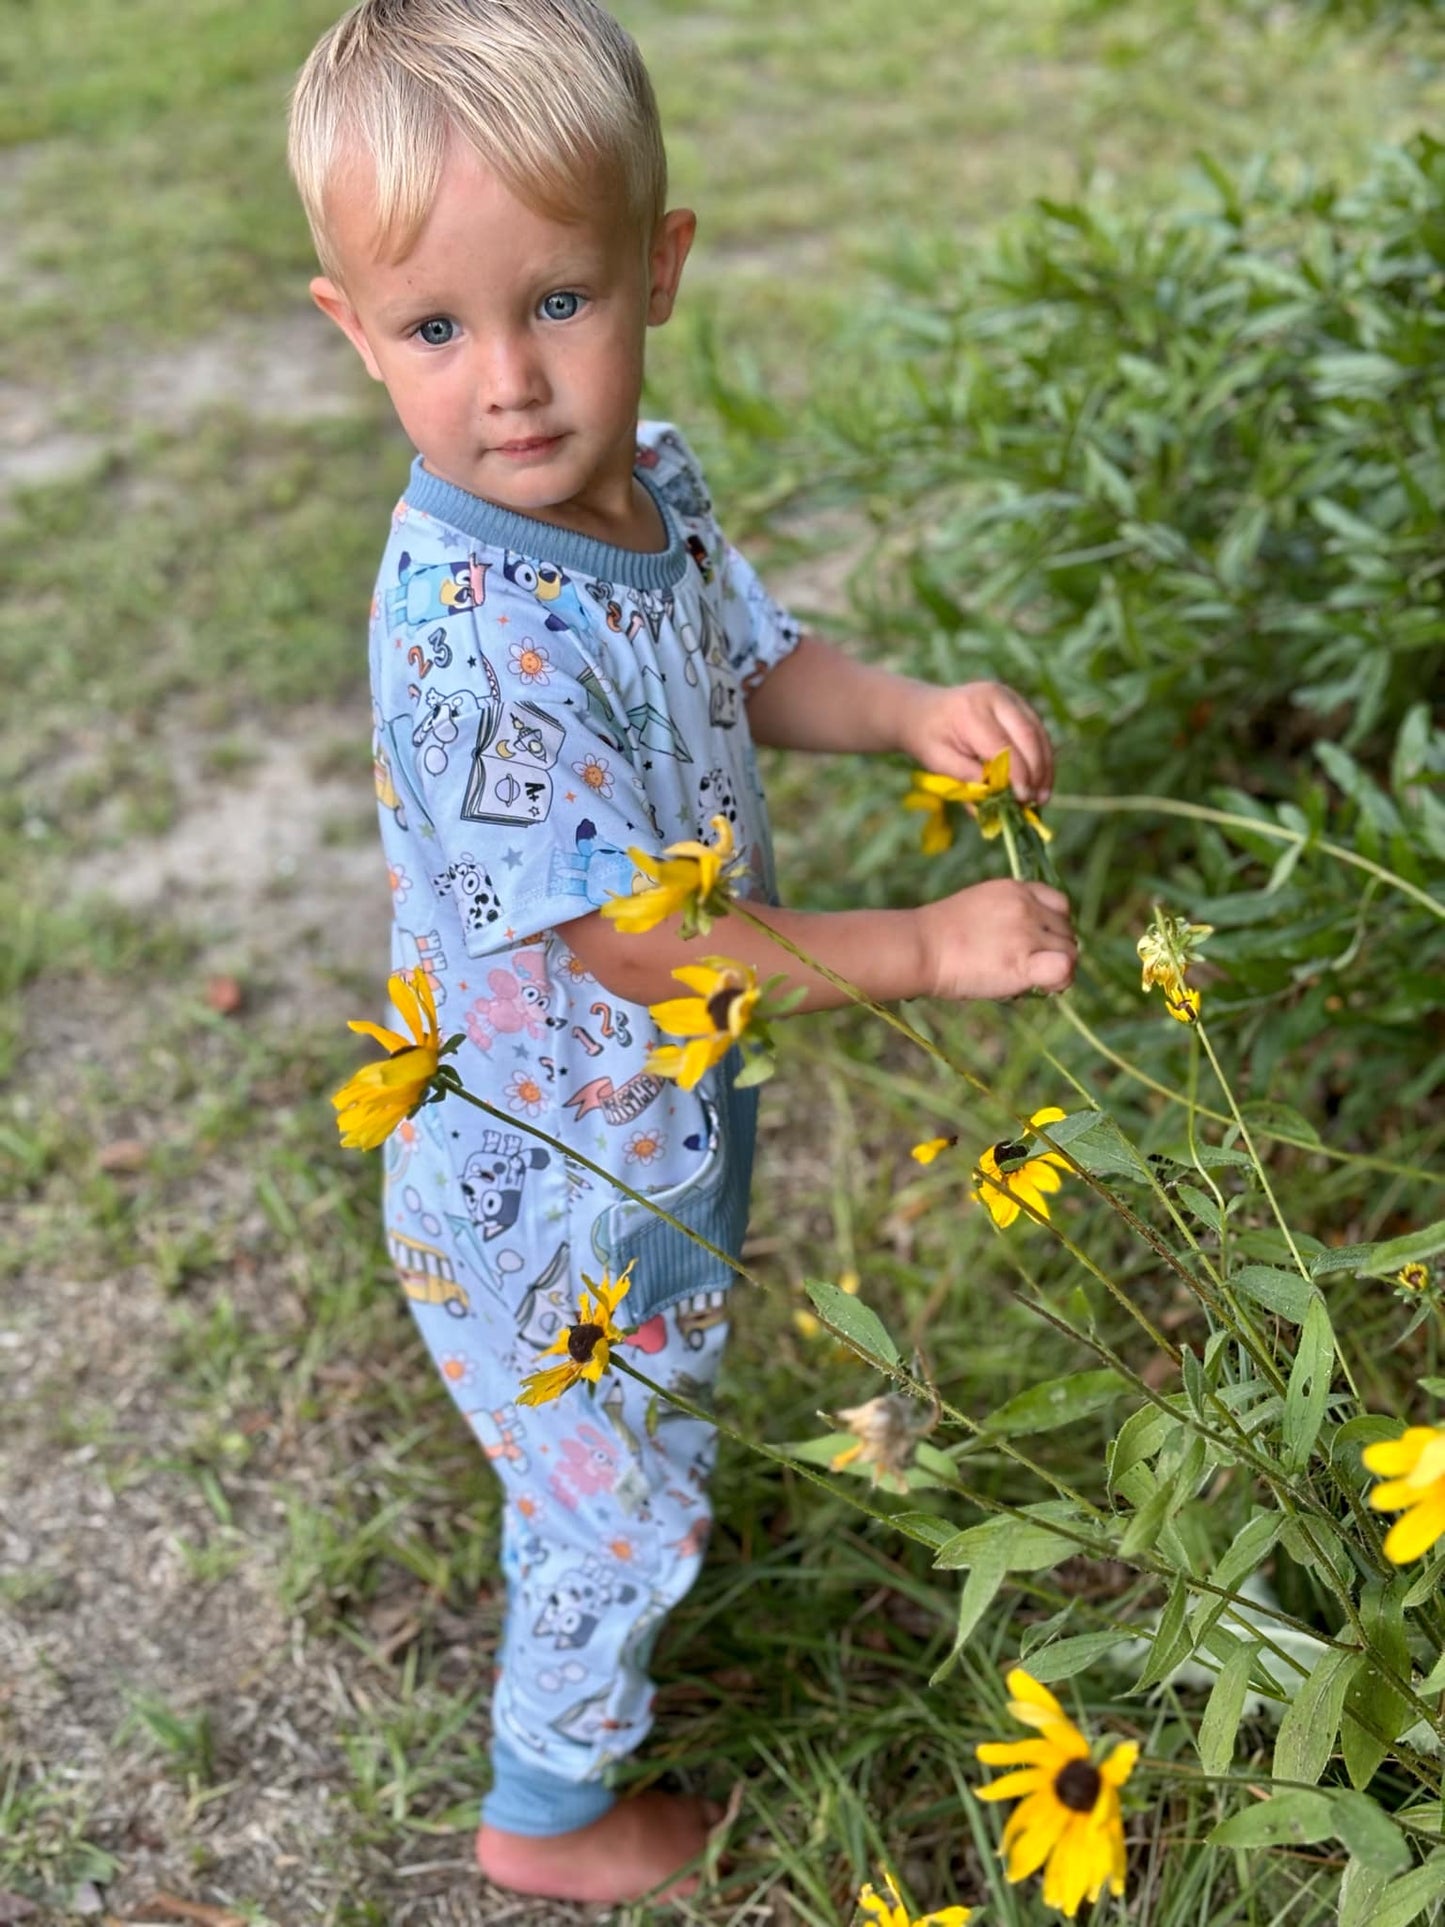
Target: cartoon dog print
x=572, y=1611
x=473, y=892
x=554, y=591
x=492, y=1181
x=519, y=1001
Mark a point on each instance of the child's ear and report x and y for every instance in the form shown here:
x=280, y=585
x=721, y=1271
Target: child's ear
x=670, y=245
x=331, y=301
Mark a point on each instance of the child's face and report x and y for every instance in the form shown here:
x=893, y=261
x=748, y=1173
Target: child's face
x=511, y=344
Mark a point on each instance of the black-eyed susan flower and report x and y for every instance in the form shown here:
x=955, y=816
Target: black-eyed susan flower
x=984, y=799
x=1067, y=1820
x=1013, y=1174
x=587, y=1344
x=1413, y=1469
x=889, y=1911
x=1412, y=1279
x=885, y=1432
x=371, y=1104
x=728, y=1007
x=693, y=878
x=1166, y=950
x=926, y=1152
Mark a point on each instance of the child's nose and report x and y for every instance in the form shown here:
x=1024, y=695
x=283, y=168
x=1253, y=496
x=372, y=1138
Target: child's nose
x=511, y=376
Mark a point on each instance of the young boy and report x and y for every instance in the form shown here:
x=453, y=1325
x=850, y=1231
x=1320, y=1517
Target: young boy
x=568, y=661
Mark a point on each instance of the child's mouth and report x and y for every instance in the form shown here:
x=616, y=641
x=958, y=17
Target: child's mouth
x=534, y=445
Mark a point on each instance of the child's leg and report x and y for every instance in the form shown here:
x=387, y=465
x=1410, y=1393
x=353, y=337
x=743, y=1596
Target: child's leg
x=605, y=1522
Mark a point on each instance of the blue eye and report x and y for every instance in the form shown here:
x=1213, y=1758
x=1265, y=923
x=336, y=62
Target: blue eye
x=561, y=306
x=436, y=333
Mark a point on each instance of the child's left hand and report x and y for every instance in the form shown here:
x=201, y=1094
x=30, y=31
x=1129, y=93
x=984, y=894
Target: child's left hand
x=953, y=732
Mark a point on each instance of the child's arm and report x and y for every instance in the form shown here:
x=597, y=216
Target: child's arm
x=820, y=698
x=993, y=939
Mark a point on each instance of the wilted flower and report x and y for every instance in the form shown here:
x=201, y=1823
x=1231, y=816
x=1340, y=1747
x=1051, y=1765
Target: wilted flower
x=1166, y=950
x=1030, y=1176
x=892, y=1912
x=371, y=1104
x=1068, y=1813
x=587, y=1344
x=885, y=1432
x=983, y=798
x=1413, y=1468
x=693, y=878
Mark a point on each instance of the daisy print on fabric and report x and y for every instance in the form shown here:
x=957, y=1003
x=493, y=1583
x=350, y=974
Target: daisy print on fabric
x=645, y=1146
x=596, y=773
x=530, y=662
x=399, y=881
x=524, y=1094
x=457, y=1369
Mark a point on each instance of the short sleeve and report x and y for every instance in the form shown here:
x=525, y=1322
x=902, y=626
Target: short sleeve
x=510, y=773
x=759, y=632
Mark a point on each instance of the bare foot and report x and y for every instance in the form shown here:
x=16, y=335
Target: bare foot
x=629, y=1853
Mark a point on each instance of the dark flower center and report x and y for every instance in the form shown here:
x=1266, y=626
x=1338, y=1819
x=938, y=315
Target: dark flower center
x=582, y=1341
x=1077, y=1786
x=720, y=1005
x=1010, y=1155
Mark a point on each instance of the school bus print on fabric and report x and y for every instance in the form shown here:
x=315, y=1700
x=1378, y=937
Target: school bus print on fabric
x=427, y=1275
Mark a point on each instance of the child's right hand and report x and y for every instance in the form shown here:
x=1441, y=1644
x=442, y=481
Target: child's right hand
x=997, y=939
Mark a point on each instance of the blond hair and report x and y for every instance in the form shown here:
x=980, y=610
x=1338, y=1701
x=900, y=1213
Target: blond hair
x=551, y=94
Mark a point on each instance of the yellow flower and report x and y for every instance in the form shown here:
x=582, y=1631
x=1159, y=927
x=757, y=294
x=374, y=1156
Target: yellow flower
x=714, y=1019
x=1413, y=1467
x=370, y=1105
x=892, y=1912
x=933, y=794
x=926, y=1152
x=1413, y=1277
x=587, y=1344
x=692, y=878
x=1029, y=1175
x=1068, y=1813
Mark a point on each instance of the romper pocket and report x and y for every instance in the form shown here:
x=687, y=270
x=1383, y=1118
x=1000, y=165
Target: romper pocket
x=667, y=1265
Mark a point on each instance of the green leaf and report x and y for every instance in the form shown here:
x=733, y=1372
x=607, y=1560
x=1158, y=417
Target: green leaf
x=1407, y=1898
x=1372, y=1705
x=1095, y=1141
x=1205, y=1209
x=1029, y=1544
x=854, y=1323
x=1065, y=1657
x=1226, y=1704
x=1360, y=1888
x=1241, y=1557
x=926, y=1527
x=1055, y=1402
x=1312, y=1718
x=1309, y=1386
x=1369, y=1834
x=1269, y=1115
x=1172, y=1643
x=1295, y=1819
x=987, y=1575
x=1139, y=1438
x=1283, y=1292
x=1150, y=1519
x=1408, y=1250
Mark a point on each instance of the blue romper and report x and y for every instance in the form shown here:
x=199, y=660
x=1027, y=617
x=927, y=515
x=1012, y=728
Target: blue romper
x=544, y=702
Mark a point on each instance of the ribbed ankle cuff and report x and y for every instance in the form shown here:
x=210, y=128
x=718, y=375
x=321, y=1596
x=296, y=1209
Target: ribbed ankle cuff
x=525, y=1799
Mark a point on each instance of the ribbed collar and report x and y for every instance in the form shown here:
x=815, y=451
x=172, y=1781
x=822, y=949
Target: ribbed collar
x=542, y=542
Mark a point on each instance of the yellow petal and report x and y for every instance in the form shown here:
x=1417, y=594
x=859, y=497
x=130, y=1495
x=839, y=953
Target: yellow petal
x=1013, y=1786
x=1016, y=1752
x=1035, y=1839
x=1050, y=1114
x=390, y=1040
x=1120, y=1763
x=926, y=1152
x=683, y=1016
x=1397, y=1456
x=539, y=1388
x=1025, y=1691
x=1414, y=1532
